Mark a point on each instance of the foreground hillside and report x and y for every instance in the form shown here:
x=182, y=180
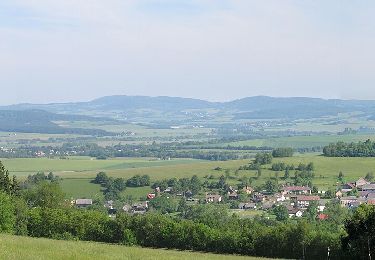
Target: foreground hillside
x=13, y=247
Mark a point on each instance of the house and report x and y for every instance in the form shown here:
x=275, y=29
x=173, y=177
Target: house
x=304, y=201
x=109, y=204
x=360, y=182
x=295, y=190
x=139, y=208
x=232, y=195
x=126, y=208
x=267, y=205
x=82, y=203
x=248, y=190
x=248, y=205
x=368, y=187
x=348, y=201
x=347, y=187
x=321, y=205
x=213, y=198
x=258, y=197
x=338, y=194
x=168, y=190
x=295, y=212
x=322, y=216
x=151, y=196
x=279, y=197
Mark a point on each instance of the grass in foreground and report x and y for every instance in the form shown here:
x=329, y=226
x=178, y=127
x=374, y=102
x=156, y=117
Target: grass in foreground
x=14, y=247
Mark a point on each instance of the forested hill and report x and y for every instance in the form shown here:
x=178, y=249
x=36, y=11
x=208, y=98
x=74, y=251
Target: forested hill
x=39, y=121
x=260, y=107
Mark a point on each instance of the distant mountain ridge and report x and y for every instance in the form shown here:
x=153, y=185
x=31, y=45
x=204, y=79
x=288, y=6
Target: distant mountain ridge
x=258, y=107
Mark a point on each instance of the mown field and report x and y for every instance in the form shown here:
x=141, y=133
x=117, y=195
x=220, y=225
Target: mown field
x=77, y=173
x=13, y=247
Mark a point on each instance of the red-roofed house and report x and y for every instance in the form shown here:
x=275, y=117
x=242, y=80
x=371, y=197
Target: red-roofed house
x=322, y=216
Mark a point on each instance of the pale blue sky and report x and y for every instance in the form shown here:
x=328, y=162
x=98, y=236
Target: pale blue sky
x=71, y=50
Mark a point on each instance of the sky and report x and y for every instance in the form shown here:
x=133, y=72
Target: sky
x=77, y=50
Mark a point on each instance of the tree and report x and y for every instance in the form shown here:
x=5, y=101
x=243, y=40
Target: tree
x=7, y=185
x=336, y=213
x=195, y=185
x=222, y=182
x=163, y=204
x=259, y=173
x=281, y=213
x=369, y=176
x=286, y=174
x=263, y=158
x=341, y=176
x=312, y=210
x=182, y=206
x=360, y=241
x=101, y=178
x=282, y=152
x=45, y=195
x=7, y=218
x=271, y=186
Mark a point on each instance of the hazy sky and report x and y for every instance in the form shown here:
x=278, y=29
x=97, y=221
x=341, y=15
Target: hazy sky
x=65, y=50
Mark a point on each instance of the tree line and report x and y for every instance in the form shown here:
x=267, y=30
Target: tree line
x=341, y=149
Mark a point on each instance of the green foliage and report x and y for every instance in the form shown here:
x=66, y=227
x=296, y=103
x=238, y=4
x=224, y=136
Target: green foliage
x=8, y=185
x=360, y=241
x=7, y=217
x=101, y=178
x=45, y=195
x=263, y=158
x=281, y=213
x=271, y=186
x=341, y=149
x=282, y=152
x=312, y=211
x=163, y=204
x=369, y=176
x=138, y=181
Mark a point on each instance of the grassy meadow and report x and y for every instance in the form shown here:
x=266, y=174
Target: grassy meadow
x=14, y=247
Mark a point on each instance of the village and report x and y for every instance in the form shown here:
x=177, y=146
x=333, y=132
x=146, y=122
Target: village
x=296, y=199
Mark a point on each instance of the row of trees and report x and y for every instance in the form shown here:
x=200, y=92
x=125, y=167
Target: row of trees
x=341, y=149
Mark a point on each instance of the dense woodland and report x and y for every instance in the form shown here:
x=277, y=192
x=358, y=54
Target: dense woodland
x=341, y=149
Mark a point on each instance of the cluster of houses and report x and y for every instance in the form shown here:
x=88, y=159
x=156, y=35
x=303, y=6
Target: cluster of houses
x=295, y=198
x=135, y=208
x=365, y=193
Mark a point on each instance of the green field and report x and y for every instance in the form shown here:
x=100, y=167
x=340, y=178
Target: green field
x=13, y=247
x=81, y=166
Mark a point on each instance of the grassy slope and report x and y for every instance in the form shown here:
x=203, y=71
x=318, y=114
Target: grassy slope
x=13, y=247
x=80, y=166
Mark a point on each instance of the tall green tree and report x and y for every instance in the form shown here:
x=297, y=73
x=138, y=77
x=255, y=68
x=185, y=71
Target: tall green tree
x=7, y=217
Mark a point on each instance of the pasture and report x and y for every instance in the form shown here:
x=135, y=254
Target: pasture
x=15, y=247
